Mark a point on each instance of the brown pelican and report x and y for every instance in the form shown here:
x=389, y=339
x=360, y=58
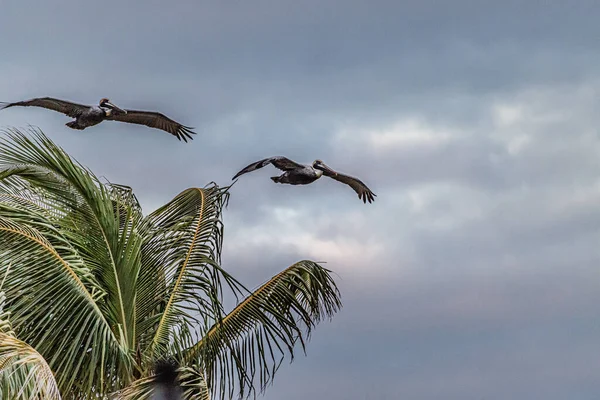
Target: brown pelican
x=166, y=384
x=86, y=116
x=298, y=174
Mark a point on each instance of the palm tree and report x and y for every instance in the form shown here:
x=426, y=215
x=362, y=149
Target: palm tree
x=93, y=293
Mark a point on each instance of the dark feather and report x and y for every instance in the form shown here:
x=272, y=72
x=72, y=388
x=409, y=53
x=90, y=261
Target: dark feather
x=279, y=162
x=155, y=120
x=166, y=381
x=62, y=106
x=364, y=193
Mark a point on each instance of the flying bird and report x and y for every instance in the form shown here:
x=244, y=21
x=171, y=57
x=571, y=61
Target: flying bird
x=298, y=174
x=166, y=383
x=86, y=116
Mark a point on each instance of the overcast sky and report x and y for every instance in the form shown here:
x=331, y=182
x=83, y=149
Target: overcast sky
x=474, y=274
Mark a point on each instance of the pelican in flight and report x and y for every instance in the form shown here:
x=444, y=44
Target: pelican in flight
x=298, y=174
x=86, y=116
x=166, y=384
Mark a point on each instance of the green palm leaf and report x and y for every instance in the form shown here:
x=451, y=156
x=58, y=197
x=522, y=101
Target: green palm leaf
x=97, y=292
x=251, y=340
x=90, y=220
x=180, y=284
x=53, y=303
x=25, y=373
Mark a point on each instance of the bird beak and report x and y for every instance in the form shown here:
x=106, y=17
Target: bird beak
x=324, y=167
x=115, y=108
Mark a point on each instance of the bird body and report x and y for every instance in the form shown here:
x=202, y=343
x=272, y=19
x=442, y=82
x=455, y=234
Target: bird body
x=86, y=116
x=90, y=117
x=299, y=174
x=166, y=381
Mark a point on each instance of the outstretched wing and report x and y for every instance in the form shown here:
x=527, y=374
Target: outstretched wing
x=73, y=110
x=279, y=162
x=154, y=120
x=364, y=193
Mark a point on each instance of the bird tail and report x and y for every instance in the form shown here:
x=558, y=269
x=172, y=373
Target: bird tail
x=74, y=125
x=276, y=179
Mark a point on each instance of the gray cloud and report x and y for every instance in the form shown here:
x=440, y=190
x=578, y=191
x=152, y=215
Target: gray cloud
x=473, y=275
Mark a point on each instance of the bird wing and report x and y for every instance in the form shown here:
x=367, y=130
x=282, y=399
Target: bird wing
x=364, y=193
x=154, y=120
x=73, y=110
x=279, y=162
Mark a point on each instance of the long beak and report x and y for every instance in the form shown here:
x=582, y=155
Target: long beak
x=119, y=110
x=324, y=167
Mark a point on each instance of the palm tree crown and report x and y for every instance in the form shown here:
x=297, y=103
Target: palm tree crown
x=93, y=293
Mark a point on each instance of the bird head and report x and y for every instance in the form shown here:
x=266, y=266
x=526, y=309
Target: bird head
x=105, y=103
x=320, y=165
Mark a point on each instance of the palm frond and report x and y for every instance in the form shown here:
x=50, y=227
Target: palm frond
x=52, y=308
x=180, y=284
x=25, y=373
x=251, y=341
x=90, y=217
x=97, y=293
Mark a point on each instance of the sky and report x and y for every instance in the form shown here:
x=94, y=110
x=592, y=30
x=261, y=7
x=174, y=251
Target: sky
x=473, y=275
